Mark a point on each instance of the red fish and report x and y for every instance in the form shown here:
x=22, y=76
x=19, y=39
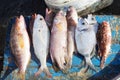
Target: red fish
x=104, y=41
x=20, y=45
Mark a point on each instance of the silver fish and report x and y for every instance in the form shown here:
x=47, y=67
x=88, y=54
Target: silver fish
x=41, y=36
x=85, y=37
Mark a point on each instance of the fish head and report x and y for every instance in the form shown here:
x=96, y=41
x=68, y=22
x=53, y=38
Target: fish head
x=72, y=16
x=91, y=19
x=106, y=27
x=60, y=14
x=39, y=22
x=105, y=24
x=59, y=22
x=20, y=23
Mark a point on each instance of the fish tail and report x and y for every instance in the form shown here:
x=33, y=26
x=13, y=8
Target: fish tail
x=68, y=61
x=102, y=62
x=47, y=73
x=89, y=63
x=21, y=75
x=43, y=70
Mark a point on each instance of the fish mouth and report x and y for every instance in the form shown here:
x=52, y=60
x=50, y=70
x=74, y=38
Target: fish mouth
x=105, y=23
x=20, y=19
x=61, y=13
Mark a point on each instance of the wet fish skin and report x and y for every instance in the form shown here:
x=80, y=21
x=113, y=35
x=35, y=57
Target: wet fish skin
x=58, y=42
x=41, y=36
x=72, y=21
x=104, y=41
x=85, y=38
x=20, y=45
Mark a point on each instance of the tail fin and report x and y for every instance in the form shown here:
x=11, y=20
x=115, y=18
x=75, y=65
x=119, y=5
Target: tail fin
x=102, y=62
x=43, y=70
x=89, y=63
x=21, y=75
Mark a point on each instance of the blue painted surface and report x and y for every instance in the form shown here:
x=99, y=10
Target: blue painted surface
x=33, y=66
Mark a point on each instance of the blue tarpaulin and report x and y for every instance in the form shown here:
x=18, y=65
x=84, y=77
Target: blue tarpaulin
x=112, y=62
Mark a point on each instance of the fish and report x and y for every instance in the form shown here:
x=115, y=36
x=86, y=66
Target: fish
x=20, y=45
x=30, y=29
x=85, y=37
x=72, y=21
x=58, y=42
x=41, y=37
x=49, y=17
x=104, y=40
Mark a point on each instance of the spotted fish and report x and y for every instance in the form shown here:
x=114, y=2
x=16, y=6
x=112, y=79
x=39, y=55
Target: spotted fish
x=104, y=41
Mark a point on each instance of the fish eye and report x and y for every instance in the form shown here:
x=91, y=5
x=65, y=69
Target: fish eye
x=83, y=23
x=65, y=64
x=39, y=30
x=92, y=18
x=40, y=18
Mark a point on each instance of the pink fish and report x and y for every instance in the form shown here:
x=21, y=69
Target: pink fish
x=104, y=41
x=58, y=42
x=20, y=45
x=72, y=20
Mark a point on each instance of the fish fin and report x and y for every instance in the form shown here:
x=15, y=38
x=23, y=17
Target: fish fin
x=59, y=26
x=21, y=75
x=87, y=67
x=21, y=42
x=43, y=70
x=38, y=72
x=55, y=68
x=68, y=62
x=47, y=72
x=102, y=62
x=89, y=63
x=82, y=64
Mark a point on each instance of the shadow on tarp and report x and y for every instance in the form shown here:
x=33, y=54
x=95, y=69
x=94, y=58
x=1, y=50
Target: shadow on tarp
x=11, y=64
x=109, y=72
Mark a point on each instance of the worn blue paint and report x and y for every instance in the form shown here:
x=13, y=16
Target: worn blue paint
x=33, y=66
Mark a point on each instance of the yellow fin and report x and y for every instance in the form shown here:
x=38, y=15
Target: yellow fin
x=21, y=42
x=21, y=76
x=59, y=26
